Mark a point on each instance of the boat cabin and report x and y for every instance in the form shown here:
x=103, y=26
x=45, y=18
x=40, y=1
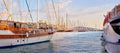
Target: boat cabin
x=16, y=27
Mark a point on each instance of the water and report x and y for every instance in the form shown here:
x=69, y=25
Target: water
x=64, y=42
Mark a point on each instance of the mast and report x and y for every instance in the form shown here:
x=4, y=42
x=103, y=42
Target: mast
x=10, y=10
x=48, y=11
x=66, y=21
x=58, y=18
x=19, y=6
x=37, y=14
x=37, y=10
x=54, y=10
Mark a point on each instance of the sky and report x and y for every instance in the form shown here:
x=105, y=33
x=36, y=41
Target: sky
x=79, y=12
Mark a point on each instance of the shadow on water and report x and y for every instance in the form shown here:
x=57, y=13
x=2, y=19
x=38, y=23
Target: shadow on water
x=36, y=48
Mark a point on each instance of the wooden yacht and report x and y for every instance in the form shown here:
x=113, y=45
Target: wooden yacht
x=18, y=33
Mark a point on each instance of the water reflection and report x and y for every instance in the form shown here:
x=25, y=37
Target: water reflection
x=77, y=42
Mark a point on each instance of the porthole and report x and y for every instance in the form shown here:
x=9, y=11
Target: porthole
x=17, y=40
x=23, y=40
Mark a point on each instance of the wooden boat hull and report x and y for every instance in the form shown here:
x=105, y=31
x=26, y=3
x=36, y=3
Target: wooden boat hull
x=18, y=40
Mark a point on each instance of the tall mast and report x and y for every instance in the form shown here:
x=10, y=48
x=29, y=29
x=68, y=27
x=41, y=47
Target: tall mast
x=66, y=20
x=58, y=18
x=37, y=14
x=54, y=10
x=10, y=10
x=48, y=12
x=37, y=10
x=19, y=6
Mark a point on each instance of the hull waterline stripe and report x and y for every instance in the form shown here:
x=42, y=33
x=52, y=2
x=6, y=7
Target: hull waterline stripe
x=11, y=46
x=111, y=42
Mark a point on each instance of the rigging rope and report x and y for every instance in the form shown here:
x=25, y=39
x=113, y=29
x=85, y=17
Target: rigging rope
x=5, y=5
x=29, y=10
x=8, y=11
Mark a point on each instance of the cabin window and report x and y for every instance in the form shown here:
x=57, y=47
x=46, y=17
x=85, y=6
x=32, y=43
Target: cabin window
x=29, y=26
x=10, y=24
x=24, y=26
x=116, y=29
x=3, y=23
x=115, y=21
x=43, y=25
x=116, y=25
x=32, y=25
x=17, y=25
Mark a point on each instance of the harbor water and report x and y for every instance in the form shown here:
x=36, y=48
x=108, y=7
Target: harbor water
x=63, y=42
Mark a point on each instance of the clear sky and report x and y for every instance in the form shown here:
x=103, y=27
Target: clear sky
x=83, y=12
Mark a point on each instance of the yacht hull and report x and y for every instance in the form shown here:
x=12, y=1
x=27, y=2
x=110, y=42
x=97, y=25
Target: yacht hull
x=22, y=40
